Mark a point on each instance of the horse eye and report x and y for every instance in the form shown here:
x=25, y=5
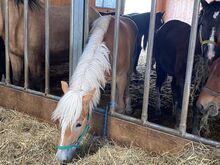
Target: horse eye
x=78, y=125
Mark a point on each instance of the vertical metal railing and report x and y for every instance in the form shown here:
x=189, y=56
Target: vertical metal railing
x=190, y=60
x=26, y=46
x=47, y=47
x=76, y=33
x=86, y=21
x=7, y=61
x=71, y=57
x=144, y=116
x=115, y=55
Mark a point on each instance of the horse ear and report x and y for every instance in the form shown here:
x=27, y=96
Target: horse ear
x=162, y=13
x=204, y=3
x=64, y=86
x=88, y=97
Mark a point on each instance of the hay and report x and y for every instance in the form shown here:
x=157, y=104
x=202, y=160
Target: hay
x=23, y=140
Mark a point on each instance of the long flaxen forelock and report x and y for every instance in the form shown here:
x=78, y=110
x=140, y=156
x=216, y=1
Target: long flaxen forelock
x=89, y=74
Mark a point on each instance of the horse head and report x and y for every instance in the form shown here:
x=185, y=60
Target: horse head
x=209, y=29
x=72, y=133
x=209, y=98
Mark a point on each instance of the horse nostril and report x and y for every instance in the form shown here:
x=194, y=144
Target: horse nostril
x=213, y=110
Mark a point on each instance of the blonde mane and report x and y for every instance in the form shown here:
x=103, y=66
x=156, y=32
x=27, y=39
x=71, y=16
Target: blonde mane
x=89, y=74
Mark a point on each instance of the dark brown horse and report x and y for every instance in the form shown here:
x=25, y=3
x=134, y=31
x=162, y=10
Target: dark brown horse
x=170, y=51
x=75, y=107
x=59, y=37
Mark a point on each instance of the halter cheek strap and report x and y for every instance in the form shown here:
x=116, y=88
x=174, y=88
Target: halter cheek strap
x=77, y=143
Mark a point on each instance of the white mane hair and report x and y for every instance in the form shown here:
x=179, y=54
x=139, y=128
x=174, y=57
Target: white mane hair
x=89, y=74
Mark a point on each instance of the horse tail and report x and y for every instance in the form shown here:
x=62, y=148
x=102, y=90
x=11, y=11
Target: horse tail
x=89, y=74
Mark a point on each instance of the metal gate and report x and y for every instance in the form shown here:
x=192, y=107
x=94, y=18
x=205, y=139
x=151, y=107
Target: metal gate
x=78, y=36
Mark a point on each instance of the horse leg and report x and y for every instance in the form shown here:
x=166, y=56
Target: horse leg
x=128, y=108
x=121, y=85
x=174, y=96
x=136, y=54
x=177, y=90
x=17, y=68
x=35, y=72
x=196, y=121
x=161, y=77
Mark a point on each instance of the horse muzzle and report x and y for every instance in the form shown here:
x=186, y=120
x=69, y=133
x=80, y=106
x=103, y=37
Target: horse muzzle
x=210, y=108
x=65, y=156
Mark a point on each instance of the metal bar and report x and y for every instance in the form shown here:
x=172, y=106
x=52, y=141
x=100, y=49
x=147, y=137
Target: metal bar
x=166, y=130
x=115, y=55
x=32, y=92
x=47, y=47
x=126, y=118
x=144, y=116
x=86, y=21
x=26, y=45
x=190, y=60
x=71, y=41
x=76, y=33
x=7, y=61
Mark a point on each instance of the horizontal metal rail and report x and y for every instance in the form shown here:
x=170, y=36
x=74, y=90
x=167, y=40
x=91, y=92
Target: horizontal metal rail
x=57, y=98
x=167, y=130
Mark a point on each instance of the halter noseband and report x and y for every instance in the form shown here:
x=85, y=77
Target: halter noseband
x=211, y=91
x=77, y=143
x=205, y=41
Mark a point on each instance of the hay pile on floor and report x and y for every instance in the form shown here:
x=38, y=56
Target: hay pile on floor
x=23, y=140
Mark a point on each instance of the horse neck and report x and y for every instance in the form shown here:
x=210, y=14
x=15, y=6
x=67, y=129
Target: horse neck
x=14, y=14
x=93, y=15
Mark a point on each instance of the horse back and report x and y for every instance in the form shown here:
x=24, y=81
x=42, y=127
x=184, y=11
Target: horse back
x=127, y=38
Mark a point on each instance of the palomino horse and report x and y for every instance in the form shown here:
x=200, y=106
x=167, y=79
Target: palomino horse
x=170, y=53
x=209, y=29
x=209, y=99
x=75, y=107
x=59, y=37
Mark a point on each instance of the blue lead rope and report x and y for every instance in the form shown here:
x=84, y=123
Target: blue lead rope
x=106, y=112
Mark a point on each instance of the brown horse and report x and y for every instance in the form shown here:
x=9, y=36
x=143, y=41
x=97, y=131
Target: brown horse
x=209, y=99
x=59, y=36
x=75, y=107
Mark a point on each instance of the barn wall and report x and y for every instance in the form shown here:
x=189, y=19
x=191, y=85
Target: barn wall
x=60, y=2
x=161, y=5
x=179, y=9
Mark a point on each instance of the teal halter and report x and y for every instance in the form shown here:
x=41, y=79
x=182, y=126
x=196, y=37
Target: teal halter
x=77, y=143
